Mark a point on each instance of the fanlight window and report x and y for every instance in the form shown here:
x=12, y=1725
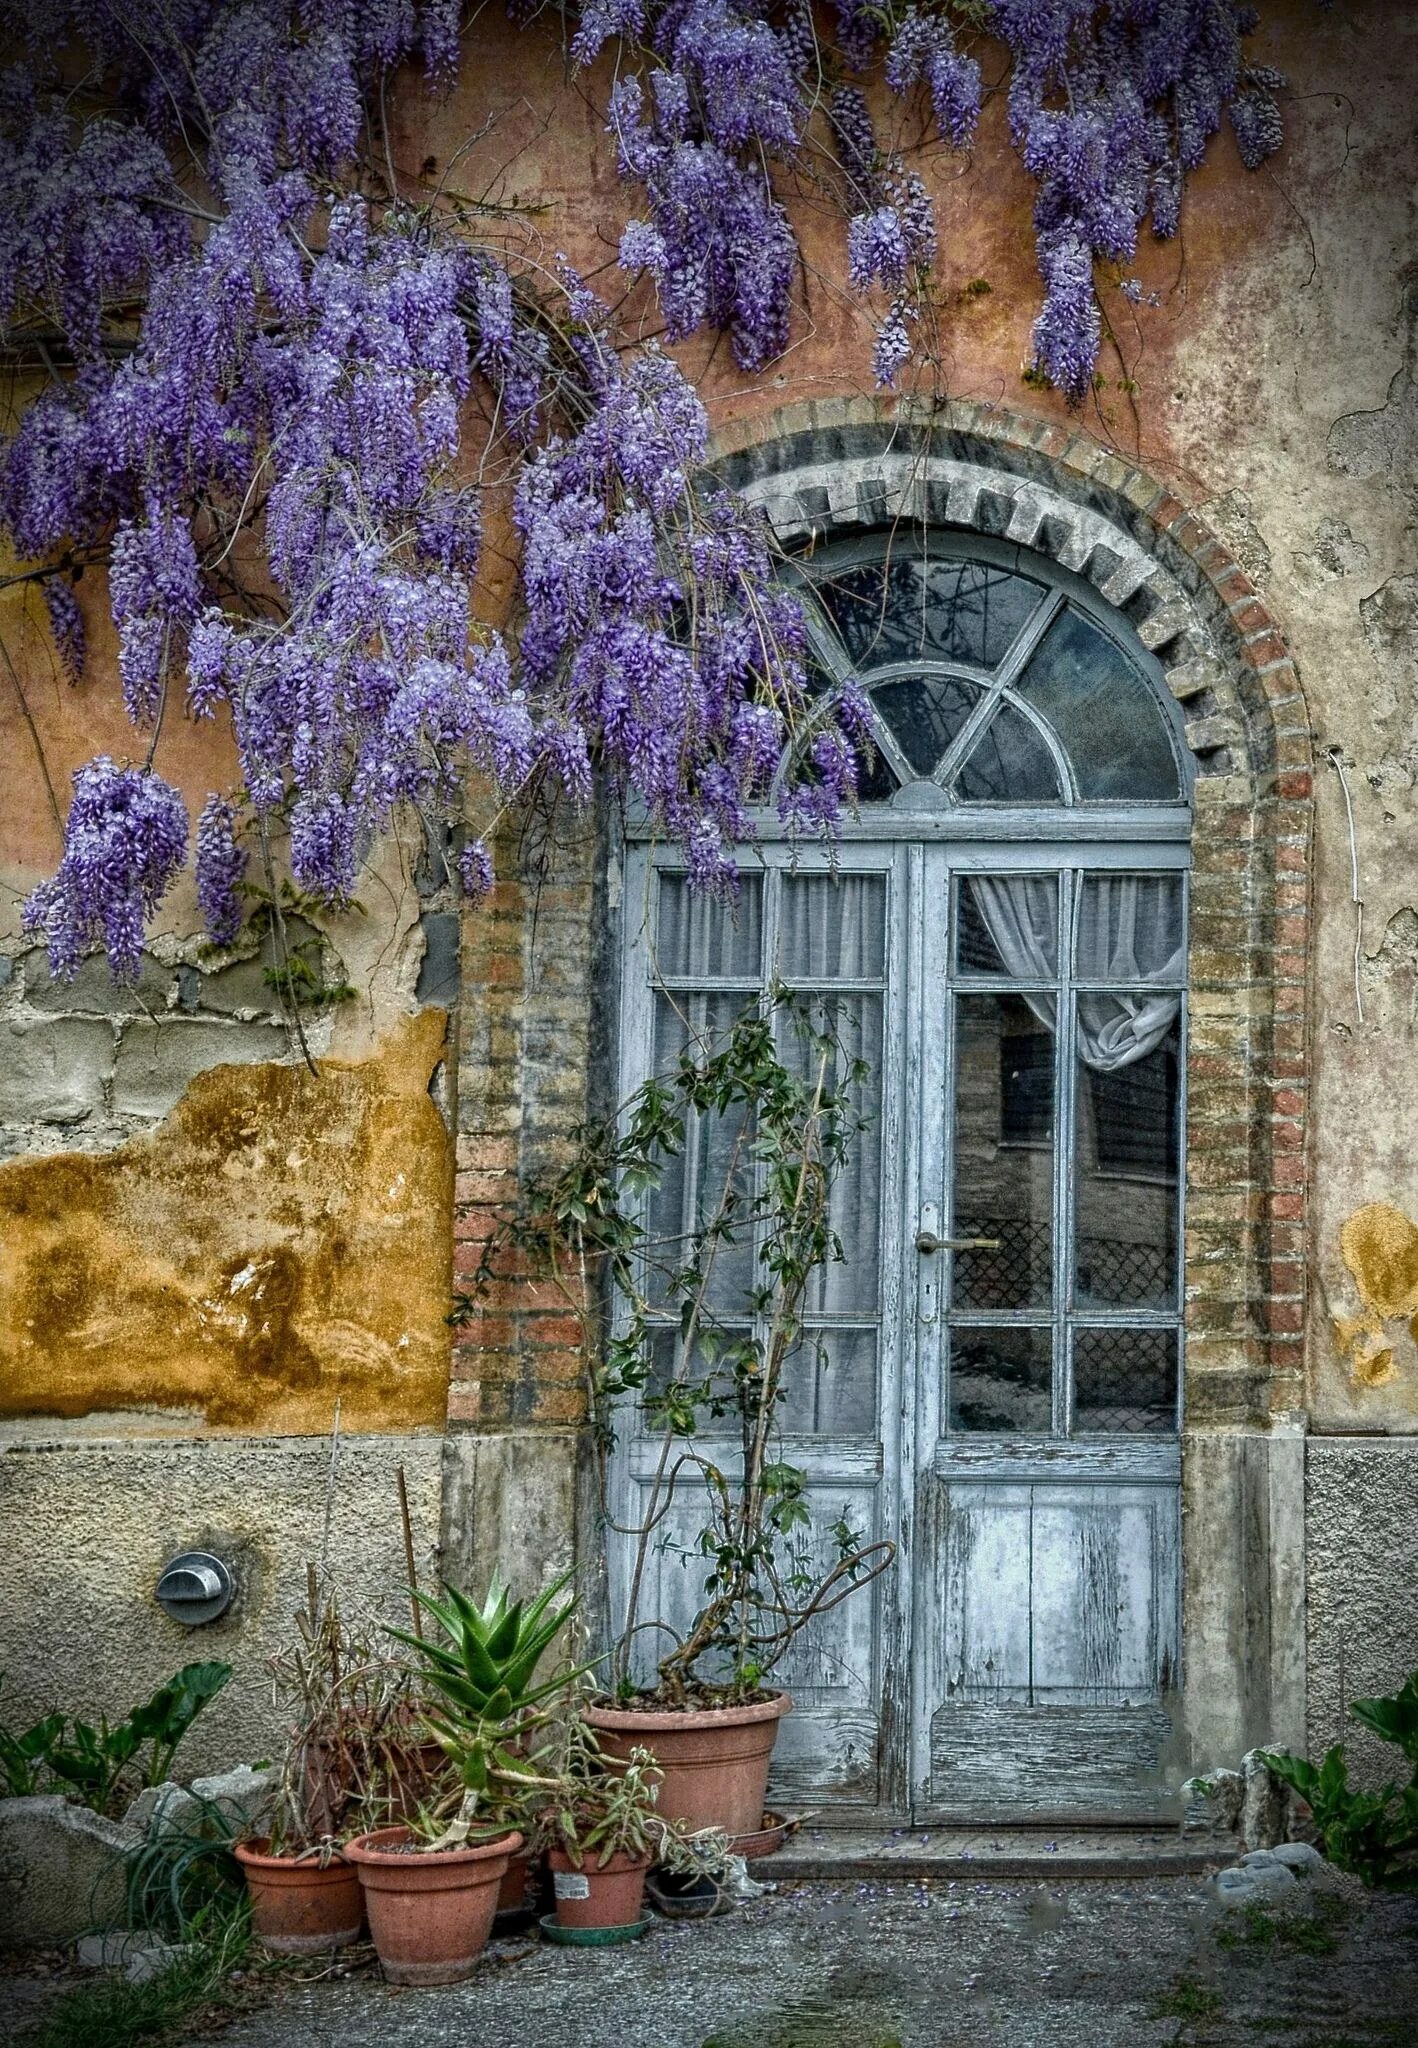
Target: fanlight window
x=992, y=684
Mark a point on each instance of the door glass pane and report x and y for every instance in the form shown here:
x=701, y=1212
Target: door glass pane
x=1104, y=712
x=1124, y=1382
x=914, y=605
x=1130, y=929
x=713, y=1176
x=1008, y=763
x=829, y=1383
x=700, y=939
x=706, y=1375
x=924, y=714
x=848, y=1031
x=1001, y=1381
x=833, y=928
x=1009, y=925
x=1126, y=1181
x=1004, y=1153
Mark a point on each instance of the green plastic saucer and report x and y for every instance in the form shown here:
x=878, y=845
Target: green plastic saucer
x=590, y=1937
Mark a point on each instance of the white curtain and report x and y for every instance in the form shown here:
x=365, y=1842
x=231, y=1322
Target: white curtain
x=1129, y=929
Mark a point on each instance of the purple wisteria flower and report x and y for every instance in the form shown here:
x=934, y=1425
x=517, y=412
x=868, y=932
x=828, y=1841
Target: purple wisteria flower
x=270, y=464
x=125, y=838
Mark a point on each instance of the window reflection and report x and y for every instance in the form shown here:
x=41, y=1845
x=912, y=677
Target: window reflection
x=1004, y=1154
x=1000, y=1381
x=912, y=605
x=1103, y=711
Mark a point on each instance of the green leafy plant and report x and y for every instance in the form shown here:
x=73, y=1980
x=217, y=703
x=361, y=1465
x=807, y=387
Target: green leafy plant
x=177, y=1876
x=481, y=1672
x=114, y=2013
x=25, y=1757
x=596, y=1811
x=772, y=1097
x=105, y=1764
x=1373, y=1834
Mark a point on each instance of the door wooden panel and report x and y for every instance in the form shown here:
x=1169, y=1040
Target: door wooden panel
x=1059, y=1648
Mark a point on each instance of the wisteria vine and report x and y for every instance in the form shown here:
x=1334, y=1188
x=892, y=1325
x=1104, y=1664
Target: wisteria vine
x=261, y=346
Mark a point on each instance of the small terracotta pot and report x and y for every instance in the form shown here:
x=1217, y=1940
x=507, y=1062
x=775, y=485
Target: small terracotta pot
x=298, y=1906
x=714, y=1759
x=516, y=1882
x=430, y=1913
x=595, y=1894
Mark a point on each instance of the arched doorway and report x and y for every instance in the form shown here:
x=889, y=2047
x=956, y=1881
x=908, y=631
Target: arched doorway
x=993, y=1377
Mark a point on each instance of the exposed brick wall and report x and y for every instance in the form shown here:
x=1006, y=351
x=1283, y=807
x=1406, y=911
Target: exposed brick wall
x=527, y=1077
x=827, y=469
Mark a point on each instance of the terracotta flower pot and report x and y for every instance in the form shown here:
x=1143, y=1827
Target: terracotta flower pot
x=430, y=1913
x=714, y=1759
x=299, y=1907
x=595, y=1894
x=516, y=1882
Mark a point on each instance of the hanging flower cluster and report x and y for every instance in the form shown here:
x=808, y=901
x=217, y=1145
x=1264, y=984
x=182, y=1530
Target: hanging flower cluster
x=267, y=464
x=264, y=352
x=1111, y=103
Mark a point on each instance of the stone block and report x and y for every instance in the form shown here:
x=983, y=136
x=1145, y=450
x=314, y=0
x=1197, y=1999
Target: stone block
x=93, y=989
x=62, y=1871
x=240, y=1796
x=438, y=980
x=157, y=1061
x=137, y=1952
x=53, y=1069
x=161, y=1809
x=1301, y=1857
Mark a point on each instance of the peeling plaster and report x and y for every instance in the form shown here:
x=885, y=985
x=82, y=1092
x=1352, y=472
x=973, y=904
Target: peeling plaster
x=1379, y=1246
x=280, y=1240
x=1230, y=516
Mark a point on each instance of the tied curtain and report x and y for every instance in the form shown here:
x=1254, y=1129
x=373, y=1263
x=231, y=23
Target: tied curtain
x=1129, y=930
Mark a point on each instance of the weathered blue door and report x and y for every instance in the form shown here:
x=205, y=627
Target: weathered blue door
x=993, y=1374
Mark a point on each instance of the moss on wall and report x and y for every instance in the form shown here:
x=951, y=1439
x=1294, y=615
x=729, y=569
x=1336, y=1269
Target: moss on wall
x=281, y=1240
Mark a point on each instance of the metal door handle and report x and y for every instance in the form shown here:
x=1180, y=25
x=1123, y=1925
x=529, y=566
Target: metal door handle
x=927, y=1241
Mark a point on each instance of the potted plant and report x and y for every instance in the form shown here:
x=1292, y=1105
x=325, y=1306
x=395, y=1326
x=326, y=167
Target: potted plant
x=603, y=1830
x=431, y=1886
x=777, y=1087
x=354, y=1753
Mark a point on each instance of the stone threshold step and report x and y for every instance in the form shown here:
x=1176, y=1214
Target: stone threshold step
x=905, y=1854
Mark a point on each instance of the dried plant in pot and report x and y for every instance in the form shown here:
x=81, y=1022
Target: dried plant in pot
x=432, y=1885
x=355, y=1753
x=705, y=1367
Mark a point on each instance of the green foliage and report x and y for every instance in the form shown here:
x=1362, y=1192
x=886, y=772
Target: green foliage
x=595, y=1810
x=112, y=2013
x=101, y=1764
x=772, y=1097
x=178, y=1877
x=1188, y=1999
x=297, y=976
x=1311, y=1933
x=23, y=1757
x=1372, y=1834
x=483, y=1672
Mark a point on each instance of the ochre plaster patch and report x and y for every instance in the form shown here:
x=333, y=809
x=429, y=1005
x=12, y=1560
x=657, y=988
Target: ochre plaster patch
x=1379, y=1245
x=281, y=1240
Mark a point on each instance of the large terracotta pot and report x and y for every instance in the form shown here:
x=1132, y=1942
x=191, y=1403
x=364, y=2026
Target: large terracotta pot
x=299, y=1906
x=714, y=1759
x=430, y=1913
x=595, y=1894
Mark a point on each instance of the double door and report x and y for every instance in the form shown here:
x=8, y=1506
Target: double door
x=989, y=1378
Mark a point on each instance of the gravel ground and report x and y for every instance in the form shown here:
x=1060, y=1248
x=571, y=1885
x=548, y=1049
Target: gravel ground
x=1088, y=1964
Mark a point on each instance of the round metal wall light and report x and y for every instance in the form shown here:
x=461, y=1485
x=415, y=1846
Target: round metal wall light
x=195, y=1587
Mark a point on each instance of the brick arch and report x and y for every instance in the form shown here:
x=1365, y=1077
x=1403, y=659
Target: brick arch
x=822, y=471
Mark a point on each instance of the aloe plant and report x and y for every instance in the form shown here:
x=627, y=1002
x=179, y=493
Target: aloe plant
x=483, y=1674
